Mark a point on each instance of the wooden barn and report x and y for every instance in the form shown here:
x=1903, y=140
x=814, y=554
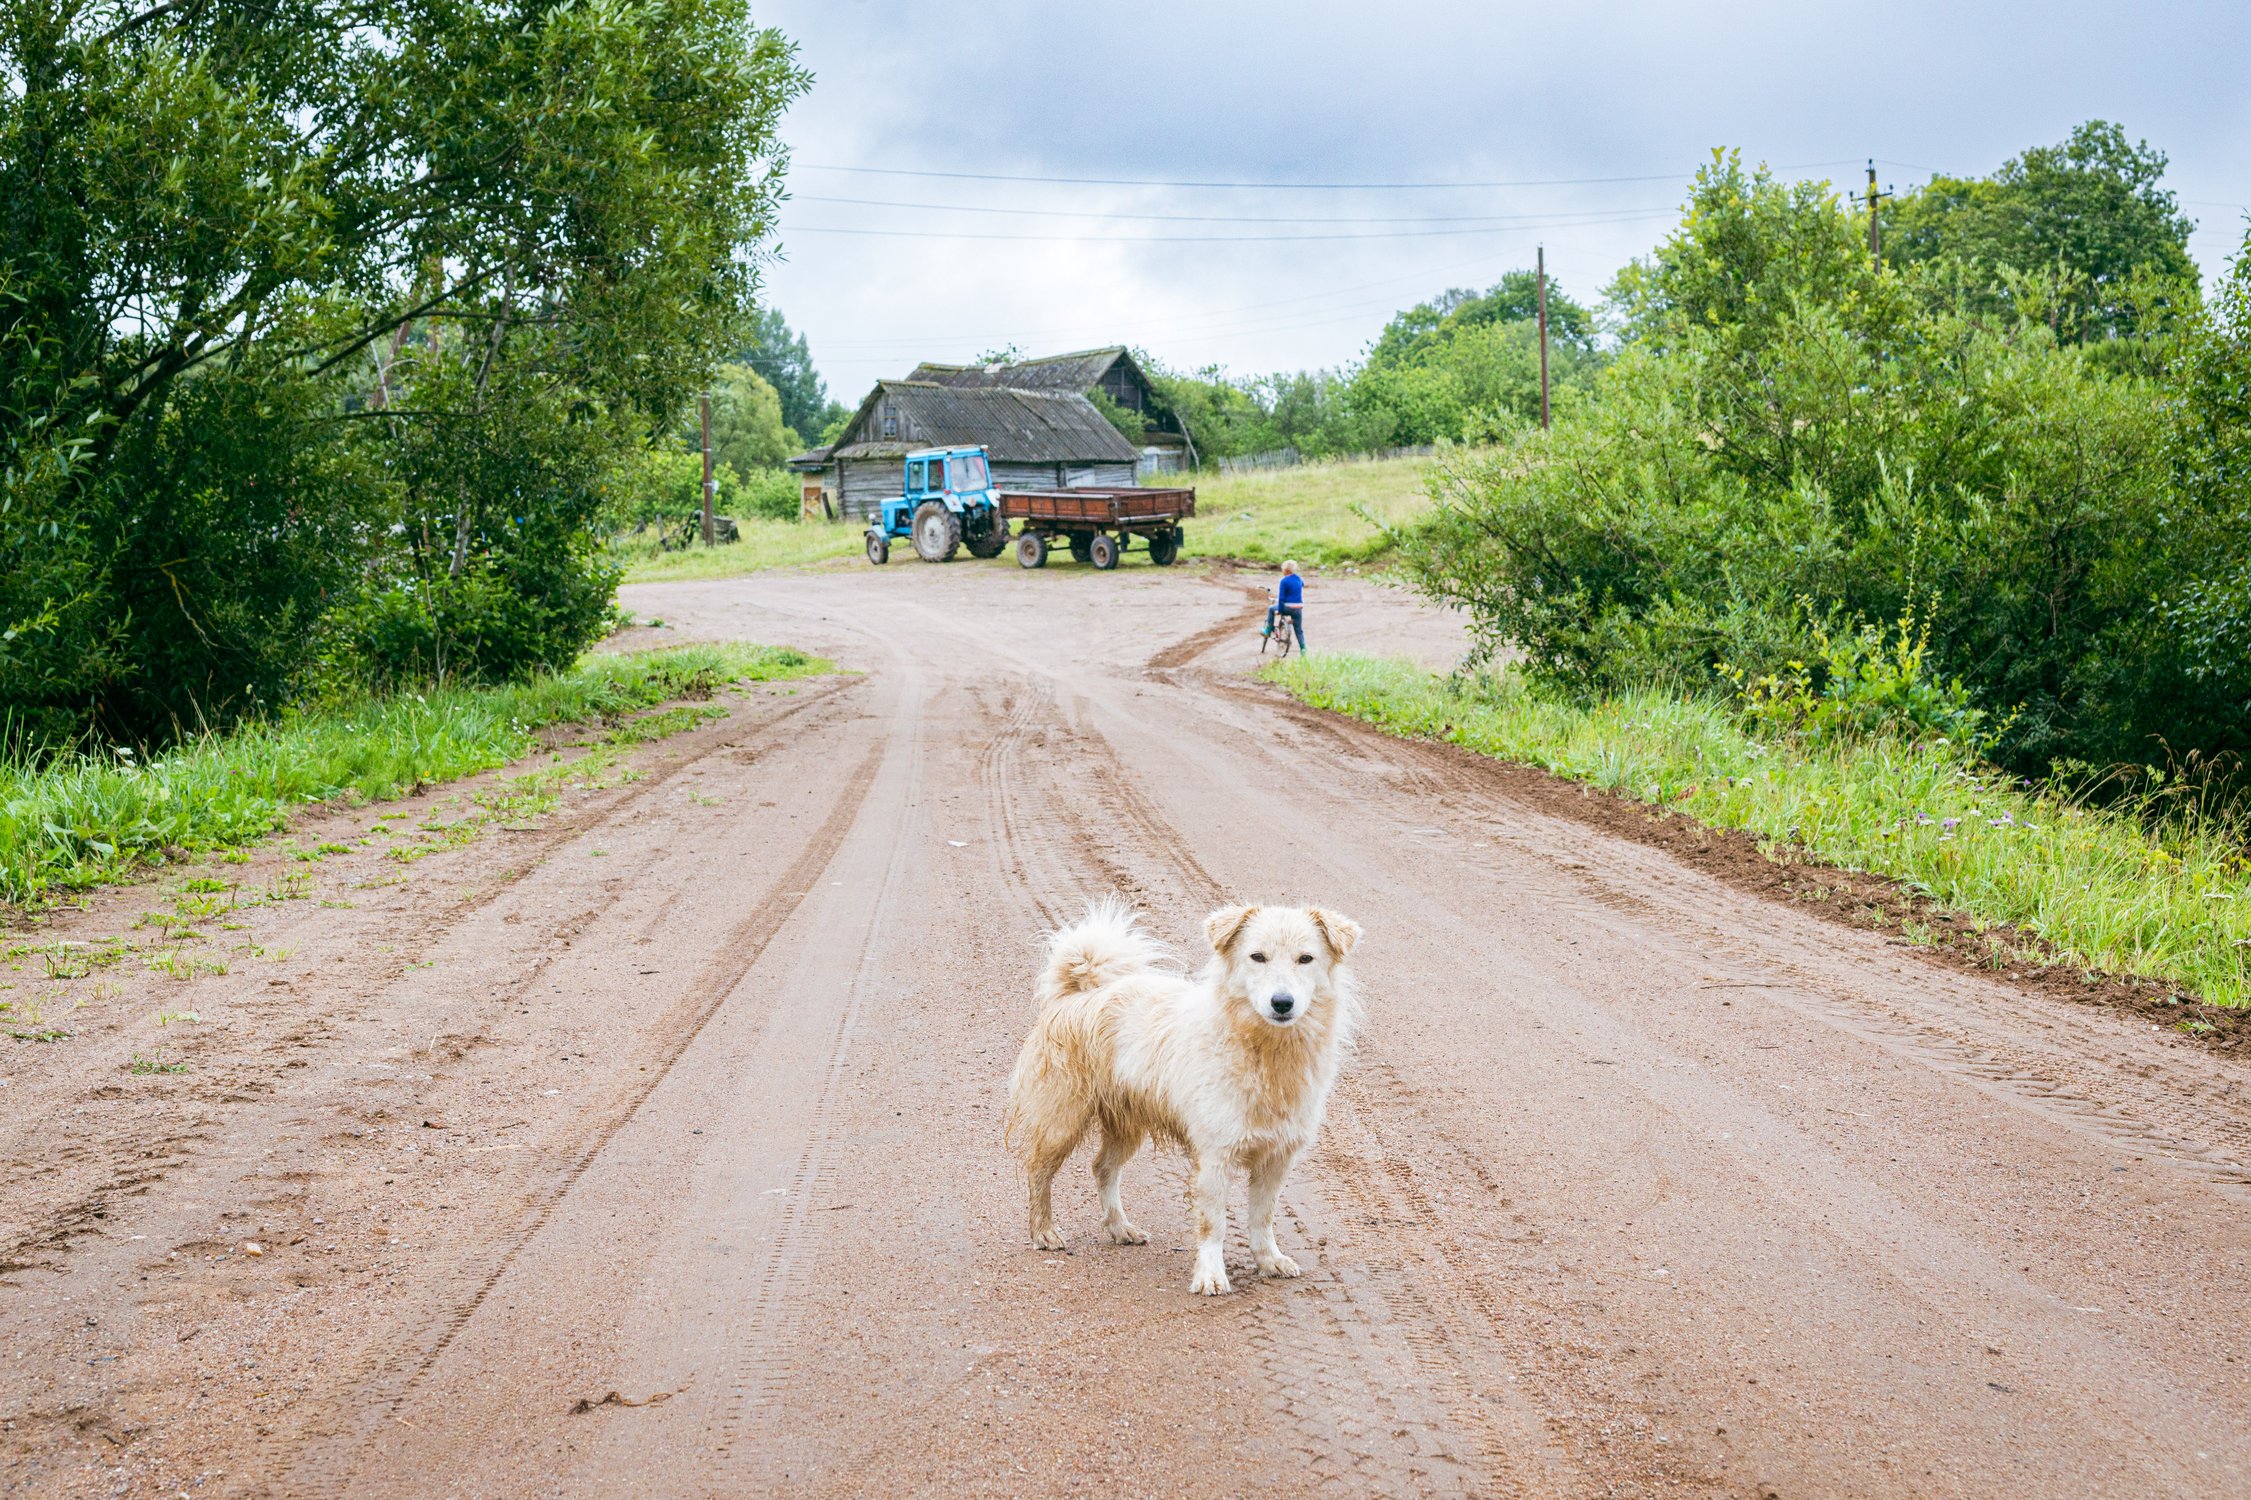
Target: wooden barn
x=1113, y=372
x=1036, y=439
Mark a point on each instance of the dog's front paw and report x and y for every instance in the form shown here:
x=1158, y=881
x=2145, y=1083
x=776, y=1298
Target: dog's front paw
x=1123, y=1233
x=1049, y=1238
x=1211, y=1275
x=1277, y=1264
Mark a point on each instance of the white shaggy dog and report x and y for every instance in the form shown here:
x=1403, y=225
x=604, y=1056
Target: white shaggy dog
x=1234, y=1065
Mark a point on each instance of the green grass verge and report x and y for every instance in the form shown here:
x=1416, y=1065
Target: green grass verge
x=2112, y=892
x=1314, y=514
x=764, y=544
x=88, y=820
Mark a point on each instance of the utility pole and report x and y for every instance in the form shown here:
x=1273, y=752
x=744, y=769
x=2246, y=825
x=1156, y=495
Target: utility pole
x=703, y=404
x=1542, y=263
x=1875, y=225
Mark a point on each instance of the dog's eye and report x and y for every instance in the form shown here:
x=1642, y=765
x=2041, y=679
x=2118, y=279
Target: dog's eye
x=1258, y=958
x=1305, y=958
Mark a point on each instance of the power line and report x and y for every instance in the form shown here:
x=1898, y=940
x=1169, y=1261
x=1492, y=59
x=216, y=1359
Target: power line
x=1195, y=326
x=1207, y=239
x=1090, y=213
x=1351, y=187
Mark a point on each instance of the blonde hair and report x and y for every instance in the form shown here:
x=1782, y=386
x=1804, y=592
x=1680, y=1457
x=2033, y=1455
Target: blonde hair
x=1289, y=567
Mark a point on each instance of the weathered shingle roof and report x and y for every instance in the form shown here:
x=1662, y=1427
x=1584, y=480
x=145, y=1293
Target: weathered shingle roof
x=1014, y=425
x=1057, y=372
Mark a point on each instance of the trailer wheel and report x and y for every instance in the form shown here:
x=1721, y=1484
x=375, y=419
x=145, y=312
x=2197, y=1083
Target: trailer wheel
x=1031, y=550
x=937, y=532
x=1079, y=543
x=879, y=548
x=1102, y=550
x=1164, y=548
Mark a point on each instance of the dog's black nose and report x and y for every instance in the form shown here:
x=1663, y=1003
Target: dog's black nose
x=1283, y=1004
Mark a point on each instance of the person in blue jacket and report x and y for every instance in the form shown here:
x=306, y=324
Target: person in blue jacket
x=1289, y=602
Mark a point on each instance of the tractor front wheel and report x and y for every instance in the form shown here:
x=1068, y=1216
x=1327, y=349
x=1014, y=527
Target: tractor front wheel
x=1102, y=551
x=1164, y=548
x=879, y=548
x=1031, y=550
x=937, y=532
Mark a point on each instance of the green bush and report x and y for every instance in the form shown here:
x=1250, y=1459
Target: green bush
x=1788, y=424
x=771, y=494
x=657, y=487
x=500, y=569
x=1864, y=683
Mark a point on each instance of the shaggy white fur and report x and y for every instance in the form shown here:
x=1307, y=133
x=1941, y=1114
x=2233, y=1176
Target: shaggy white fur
x=1233, y=1065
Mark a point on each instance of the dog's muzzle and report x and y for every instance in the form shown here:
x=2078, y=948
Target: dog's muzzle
x=1282, y=1007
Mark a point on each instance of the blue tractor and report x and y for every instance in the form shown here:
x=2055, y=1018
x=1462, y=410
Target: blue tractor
x=947, y=500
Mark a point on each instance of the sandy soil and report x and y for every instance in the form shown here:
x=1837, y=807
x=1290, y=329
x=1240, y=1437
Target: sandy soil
x=653, y=1148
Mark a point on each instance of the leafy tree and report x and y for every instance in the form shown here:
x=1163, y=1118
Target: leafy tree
x=245, y=251
x=785, y=361
x=1133, y=425
x=501, y=570
x=1748, y=255
x=2208, y=612
x=1514, y=298
x=1224, y=417
x=748, y=434
x=2086, y=217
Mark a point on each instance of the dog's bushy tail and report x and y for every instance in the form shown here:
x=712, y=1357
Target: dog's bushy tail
x=1104, y=945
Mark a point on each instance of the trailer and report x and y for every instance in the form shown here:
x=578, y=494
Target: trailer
x=1098, y=524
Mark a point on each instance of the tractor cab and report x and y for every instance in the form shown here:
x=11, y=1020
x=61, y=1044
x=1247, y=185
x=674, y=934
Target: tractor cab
x=947, y=498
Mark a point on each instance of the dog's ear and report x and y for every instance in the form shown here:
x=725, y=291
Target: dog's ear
x=1339, y=932
x=1225, y=925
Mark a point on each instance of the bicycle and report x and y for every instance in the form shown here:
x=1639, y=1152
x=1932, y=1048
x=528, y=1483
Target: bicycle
x=1278, y=635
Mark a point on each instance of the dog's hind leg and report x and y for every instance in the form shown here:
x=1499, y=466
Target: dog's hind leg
x=1044, y=1157
x=1118, y=1147
x=1267, y=1173
x=1207, y=1194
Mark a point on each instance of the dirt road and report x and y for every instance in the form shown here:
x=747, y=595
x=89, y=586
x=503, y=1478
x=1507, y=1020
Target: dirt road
x=653, y=1148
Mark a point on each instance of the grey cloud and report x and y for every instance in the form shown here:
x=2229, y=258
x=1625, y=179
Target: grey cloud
x=1398, y=92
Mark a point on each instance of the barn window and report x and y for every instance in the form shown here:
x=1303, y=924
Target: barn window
x=890, y=425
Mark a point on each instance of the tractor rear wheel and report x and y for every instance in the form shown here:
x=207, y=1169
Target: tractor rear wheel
x=879, y=548
x=1164, y=548
x=1102, y=551
x=937, y=532
x=1079, y=543
x=1031, y=550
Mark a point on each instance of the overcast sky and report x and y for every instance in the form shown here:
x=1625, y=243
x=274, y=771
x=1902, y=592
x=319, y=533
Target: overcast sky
x=1580, y=124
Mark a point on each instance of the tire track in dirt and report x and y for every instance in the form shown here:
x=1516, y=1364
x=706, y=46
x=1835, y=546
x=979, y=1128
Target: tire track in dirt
x=1184, y=651
x=2167, y=1122
x=1385, y=1355
x=764, y=1339
x=416, y=1352
x=149, y=1158
x=1446, y=1318
x=1023, y=857
x=2175, y=1121
x=1334, y=1372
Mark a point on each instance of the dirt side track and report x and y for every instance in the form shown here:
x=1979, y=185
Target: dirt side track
x=654, y=1150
